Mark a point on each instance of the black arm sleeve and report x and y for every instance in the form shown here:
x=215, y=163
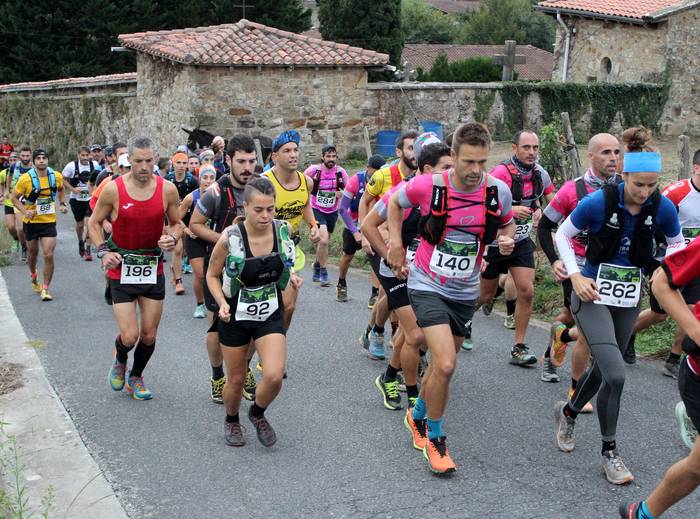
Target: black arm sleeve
x=544, y=234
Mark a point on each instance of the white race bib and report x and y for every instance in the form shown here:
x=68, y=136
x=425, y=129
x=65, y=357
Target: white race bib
x=523, y=228
x=139, y=270
x=619, y=286
x=83, y=196
x=45, y=206
x=326, y=199
x=257, y=304
x=454, y=259
x=690, y=233
x=411, y=250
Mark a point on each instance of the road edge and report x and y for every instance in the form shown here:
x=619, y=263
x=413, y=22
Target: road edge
x=52, y=451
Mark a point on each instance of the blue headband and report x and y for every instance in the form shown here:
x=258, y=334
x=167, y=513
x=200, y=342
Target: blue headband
x=642, y=162
x=286, y=137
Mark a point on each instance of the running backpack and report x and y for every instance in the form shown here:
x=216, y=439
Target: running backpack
x=517, y=182
x=361, y=183
x=83, y=177
x=36, y=185
x=339, y=183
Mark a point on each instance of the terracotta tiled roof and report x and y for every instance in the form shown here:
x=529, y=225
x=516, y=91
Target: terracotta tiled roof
x=248, y=44
x=454, y=6
x=642, y=10
x=538, y=63
x=71, y=82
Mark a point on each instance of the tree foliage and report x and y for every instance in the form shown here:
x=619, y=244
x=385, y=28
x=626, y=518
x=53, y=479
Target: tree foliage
x=52, y=39
x=423, y=24
x=500, y=20
x=472, y=70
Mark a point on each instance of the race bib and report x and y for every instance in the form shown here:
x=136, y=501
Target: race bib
x=619, y=286
x=326, y=199
x=257, y=304
x=690, y=233
x=523, y=228
x=45, y=206
x=139, y=270
x=83, y=196
x=453, y=259
x=411, y=250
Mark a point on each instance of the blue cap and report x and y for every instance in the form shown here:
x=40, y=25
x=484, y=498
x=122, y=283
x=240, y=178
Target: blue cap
x=286, y=137
x=642, y=162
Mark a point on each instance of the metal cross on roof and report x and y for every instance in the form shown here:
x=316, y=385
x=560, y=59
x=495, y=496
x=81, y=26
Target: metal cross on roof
x=244, y=6
x=509, y=60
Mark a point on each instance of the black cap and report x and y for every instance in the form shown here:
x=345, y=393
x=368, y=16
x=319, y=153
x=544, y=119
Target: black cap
x=39, y=151
x=376, y=162
x=96, y=147
x=327, y=148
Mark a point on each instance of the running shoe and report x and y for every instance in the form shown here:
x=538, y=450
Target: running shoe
x=401, y=382
x=116, y=375
x=487, y=308
x=630, y=355
x=509, y=322
x=45, y=295
x=186, y=267
x=217, y=390
x=376, y=345
x=671, y=369
x=372, y=300
x=364, y=340
x=615, y=470
x=341, y=294
x=565, y=429
x=390, y=393
x=316, y=277
x=467, y=343
x=520, y=356
x=587, y=409
x=36, y=286
x=249, y=386
x=417, y=428
x=81, y=249
x=549, y=372
x=179, y=288
x=87, y=255
x=135, y=386
x=200, y=312
x=688, y=431
x=233, y=434
x=557, y=347
x=629, y=510
x=323, y=277
x=435, y=451
x=266, y=434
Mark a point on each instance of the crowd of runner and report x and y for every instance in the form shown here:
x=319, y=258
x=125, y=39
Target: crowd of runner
x=444, y=238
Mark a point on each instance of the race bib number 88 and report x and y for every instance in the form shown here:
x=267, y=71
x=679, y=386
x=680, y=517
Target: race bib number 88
x=45, y=206
x=619, y=286
x=139, y=270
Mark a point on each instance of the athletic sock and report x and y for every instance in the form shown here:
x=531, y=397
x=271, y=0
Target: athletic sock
x=574, y=382
x=256, y=411
x=510, y=306
x=217, y=372
x=608, y=446
x=34, y=275
x=644, y=512
x=672, y=357
x=375, y=291
x=570, y=412
x=122, y=351
x=342, y=282
x=199, y=303
x=499, y=291
x=434, y=429
x=394, y=327
x=45, y=286
x=142, y=354
x=390, y=373
x=548, y=352
x=378, y=329
x=369, y=329
x=422, y=353
x=412, y=391
x=565, y=337
x=232, y=419
x=419, y=409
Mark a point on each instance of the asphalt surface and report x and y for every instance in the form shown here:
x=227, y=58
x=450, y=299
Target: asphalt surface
x=340, y=452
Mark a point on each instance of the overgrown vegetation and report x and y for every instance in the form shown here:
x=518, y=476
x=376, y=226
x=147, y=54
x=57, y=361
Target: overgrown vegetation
x=472, y=70
x=5, y=246
x=552, y=156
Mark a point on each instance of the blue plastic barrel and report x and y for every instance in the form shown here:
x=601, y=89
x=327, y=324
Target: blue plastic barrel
x=433, y=126
x=386, y=142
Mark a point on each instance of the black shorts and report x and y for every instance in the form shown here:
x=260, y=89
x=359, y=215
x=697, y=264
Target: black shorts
x=209, y=300
x=81, y=210
x=689, y=387
x=350, y=245
x=522, y=256
x=240, y=333
x=32, y=231
x=195, y=248
x=690, y=293
x=129, y=293
x=567, y=288
x=327, y=219
x=396, y=291
x=9, y=210
x=432, y=309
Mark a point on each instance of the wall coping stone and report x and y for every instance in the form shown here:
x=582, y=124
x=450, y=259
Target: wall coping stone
x=433, y=86
x=79, y=82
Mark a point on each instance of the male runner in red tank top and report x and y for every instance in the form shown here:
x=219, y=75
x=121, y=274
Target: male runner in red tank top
x=137, y=204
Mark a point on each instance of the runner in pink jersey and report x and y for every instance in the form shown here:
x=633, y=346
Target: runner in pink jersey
x=443, y=279
x=329, y=181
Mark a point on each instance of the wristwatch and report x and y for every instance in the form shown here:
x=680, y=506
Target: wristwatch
x=101, y=253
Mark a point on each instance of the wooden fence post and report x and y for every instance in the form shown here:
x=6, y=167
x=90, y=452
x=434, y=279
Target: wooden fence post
x=571, y=145
x=258, y=152
x=368, y=147
x=684, y=167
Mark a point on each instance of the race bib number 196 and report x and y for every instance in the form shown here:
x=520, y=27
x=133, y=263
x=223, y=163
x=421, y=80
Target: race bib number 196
x=454, y=259
x=619, y=286
x=139, y=270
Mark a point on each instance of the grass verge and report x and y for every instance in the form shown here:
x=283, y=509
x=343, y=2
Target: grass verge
x=5, y=246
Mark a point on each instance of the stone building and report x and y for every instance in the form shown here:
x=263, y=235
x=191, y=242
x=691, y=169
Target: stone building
x=250, y=78
x=633, y=41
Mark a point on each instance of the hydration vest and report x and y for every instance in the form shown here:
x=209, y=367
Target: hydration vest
x=603, y=245
x=36, y=185
x=339, y=183
x=227, y=205
x=517, y=182
x=433, y=226
x=83, y=177
x=361, y=183
x=395, y=175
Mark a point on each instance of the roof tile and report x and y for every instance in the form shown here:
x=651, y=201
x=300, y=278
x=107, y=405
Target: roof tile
x=625, y=8
x=70, y=82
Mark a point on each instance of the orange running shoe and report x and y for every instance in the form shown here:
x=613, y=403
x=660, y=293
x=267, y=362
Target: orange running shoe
x=435, y=451
x=417, y=428
x=587, y=409
x=558, y=348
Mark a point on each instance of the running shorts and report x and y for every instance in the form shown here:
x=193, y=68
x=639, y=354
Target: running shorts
x=689, y=386
x=129, y=293
x=522, y=256
x=350, y=245
x=9, y=209
x=327, y=219
x=209, y=300
x=432, y=309
x=396, y=291
x=690, y=293
x=32, y=231
x=80, y=210
x=195, y=248
x=567, y=288
x=237, y=334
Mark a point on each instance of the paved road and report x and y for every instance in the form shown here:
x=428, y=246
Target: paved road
x=340, y=453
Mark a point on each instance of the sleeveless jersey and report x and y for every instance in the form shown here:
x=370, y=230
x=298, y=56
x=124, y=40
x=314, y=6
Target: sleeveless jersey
x=289, y=205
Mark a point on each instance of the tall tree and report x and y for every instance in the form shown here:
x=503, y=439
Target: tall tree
x=370, y=24
x=423, y=24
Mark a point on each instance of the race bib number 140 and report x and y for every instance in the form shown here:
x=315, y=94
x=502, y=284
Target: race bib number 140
x=454, y=259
